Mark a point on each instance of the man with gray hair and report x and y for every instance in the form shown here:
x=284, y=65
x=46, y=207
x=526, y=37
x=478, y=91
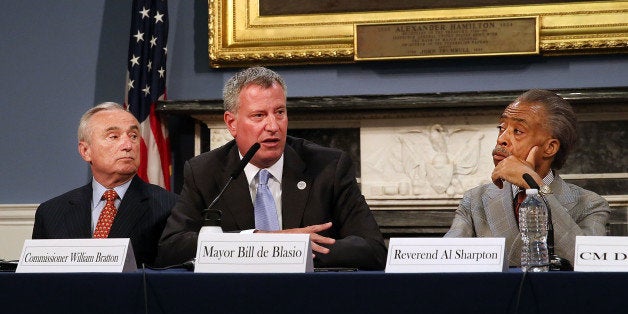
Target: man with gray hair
x=289, y=186
x=536, y=133
x=116, y=203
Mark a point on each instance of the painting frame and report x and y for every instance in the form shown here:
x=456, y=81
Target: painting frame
x=239, y=36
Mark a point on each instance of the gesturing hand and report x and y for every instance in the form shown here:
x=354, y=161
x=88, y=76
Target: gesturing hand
x=511, y=169
x=316, y=238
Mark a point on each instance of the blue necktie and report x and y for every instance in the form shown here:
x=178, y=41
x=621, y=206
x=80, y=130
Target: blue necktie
x=265, y=210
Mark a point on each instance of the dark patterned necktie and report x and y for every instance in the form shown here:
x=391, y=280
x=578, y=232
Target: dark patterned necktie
x=521, y=195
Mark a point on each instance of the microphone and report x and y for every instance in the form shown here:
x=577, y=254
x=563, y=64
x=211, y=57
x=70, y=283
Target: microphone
x=556, y=262
x=212, y=222
x=245, y=160
x=213, y=216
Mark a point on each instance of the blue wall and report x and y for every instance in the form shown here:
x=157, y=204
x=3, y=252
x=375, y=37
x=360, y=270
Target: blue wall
x=58, y=58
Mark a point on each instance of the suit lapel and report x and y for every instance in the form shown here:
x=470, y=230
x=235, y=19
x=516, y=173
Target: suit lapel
x=237, y=198
x=77, y=215
x=133, y=207
x=563, y=193
x=239, y=203
x=501, y=219
x=295, y=187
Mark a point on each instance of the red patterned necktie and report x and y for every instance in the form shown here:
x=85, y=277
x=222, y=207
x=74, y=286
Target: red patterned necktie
x=521, y=195
x=107, y=215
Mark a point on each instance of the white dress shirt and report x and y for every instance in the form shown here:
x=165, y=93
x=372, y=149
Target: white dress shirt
x=274, y=184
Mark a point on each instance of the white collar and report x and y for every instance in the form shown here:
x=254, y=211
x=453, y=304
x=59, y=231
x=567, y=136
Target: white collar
x=276, y=170
x=549, y=178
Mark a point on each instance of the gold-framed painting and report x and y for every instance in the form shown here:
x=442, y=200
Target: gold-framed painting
x=271, y=32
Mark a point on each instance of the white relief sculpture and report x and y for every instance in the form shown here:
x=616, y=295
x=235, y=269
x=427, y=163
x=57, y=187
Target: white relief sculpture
x=422, y=162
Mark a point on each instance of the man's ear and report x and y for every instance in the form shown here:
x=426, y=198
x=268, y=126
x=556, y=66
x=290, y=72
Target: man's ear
x=550, y=148
x=85, y=151
x=231, y=122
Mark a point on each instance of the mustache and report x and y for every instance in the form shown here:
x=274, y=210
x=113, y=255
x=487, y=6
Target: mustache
x=501, y=151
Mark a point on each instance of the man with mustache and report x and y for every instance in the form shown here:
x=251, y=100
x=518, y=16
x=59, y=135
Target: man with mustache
x=109, y=140
x=536, y=133
x=313, y=189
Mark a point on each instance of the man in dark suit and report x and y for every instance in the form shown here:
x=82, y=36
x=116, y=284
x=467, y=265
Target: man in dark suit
x=109, y=141
x=314, y=190
x=537, y=132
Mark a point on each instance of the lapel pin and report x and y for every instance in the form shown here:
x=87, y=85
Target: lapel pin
x=301, y=185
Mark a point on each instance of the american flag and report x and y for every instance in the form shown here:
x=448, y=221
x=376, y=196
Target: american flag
x=146, y=83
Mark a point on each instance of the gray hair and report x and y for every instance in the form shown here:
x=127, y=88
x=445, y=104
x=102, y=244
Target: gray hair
x=561, y=121
x=84, y=129
x=256, y=75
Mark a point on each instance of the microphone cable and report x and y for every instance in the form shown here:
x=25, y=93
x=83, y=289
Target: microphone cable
x=188, y=265
x=520, y=292
x=145, y=286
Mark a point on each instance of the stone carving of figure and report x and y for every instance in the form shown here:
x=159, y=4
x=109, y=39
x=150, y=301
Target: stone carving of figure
x=432, y=160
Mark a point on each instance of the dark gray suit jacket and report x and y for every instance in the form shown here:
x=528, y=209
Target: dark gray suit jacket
x=142, y=216
x=487, y=211
x=331, y=194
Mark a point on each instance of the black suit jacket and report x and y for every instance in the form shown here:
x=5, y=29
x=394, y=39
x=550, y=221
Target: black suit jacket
x=142, y=216
x=331, y=194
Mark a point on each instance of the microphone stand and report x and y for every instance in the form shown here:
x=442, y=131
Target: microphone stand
x=213, y=217
x=555, y=262
x=212, y=221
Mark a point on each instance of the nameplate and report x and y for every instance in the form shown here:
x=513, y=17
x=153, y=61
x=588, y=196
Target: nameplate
x=253, y=253
x=77, y=256
x=603, y=254
x=431, y=255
